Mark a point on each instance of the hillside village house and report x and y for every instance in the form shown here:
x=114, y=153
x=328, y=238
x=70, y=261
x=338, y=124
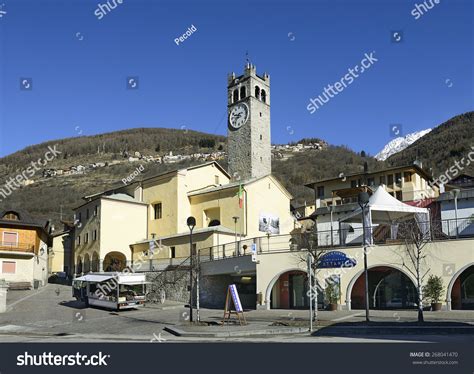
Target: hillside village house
x=24, y=246
x=246, y=234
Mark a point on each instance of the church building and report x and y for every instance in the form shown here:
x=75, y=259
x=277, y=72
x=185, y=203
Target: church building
x=235, y=210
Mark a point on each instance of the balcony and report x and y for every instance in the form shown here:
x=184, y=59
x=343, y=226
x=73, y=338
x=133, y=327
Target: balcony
x=17, y=247
x=439, y=230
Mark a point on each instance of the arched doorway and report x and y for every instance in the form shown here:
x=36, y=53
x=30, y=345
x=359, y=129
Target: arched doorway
x=290, y=291
x=95, y=262
x=79, y=265
x=115, y=261
x=389, y=288
x=87, y=263
x=462, y=291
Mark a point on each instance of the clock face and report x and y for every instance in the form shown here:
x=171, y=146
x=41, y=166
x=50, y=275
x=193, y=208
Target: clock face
x=238, y=115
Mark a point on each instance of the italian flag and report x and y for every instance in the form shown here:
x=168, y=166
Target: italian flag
x=240, y=194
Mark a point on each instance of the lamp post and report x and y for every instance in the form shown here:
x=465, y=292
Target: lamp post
x=309, y=262
x=456, y=194
x=363, y=200
x=236, y=218
x=191, y=222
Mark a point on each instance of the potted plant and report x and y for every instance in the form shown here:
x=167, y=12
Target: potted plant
x=332, y=295
x=433, y=290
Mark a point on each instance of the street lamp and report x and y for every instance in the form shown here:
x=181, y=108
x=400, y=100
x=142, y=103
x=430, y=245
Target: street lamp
x=456, y=194
x=191, y=222
x=236, y=218
x=363, y=200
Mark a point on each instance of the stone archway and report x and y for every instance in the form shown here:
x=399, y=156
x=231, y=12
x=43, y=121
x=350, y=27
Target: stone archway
x=95, y=262
x=274, y=280
x=390, y=287
x=79, y=266
x=114, y=261
x=460, y=291
x=87, y=263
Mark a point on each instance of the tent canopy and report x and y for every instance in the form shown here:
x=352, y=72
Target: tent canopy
x=384, y=209
x=94, y=278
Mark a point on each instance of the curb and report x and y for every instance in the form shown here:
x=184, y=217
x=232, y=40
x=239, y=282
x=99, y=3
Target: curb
x=393, y=330
x=226, y=334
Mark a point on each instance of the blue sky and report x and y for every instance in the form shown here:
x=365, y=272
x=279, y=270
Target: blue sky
x=79, y=64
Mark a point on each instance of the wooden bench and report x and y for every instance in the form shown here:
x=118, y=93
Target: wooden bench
x=15, y=286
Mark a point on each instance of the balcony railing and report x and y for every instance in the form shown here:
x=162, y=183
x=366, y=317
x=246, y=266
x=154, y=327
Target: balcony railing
x=17, y=247
x=339, y=238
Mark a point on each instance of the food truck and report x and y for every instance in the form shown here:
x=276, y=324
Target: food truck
x=115, y=291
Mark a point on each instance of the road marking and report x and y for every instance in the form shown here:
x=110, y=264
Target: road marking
x=346, y=317
x=9, y=307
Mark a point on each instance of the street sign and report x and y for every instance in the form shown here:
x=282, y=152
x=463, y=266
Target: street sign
x=253, y=251
x=233, y=298
x=335, y=259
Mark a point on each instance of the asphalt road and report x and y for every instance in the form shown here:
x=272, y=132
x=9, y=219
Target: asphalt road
x=52, y=315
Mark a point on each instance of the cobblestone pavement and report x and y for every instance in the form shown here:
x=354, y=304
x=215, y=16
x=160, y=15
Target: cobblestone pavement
x=51, y=314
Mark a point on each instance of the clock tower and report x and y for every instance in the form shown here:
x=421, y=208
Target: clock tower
x=249, y=141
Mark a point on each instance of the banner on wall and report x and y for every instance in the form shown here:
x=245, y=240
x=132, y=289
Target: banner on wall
x=269, y=223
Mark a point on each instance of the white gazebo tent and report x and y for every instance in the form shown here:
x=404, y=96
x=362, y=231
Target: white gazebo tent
x=383, y=208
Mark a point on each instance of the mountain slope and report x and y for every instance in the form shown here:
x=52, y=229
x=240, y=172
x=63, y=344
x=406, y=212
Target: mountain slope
x=442, y=147
x=399, y=144
x=53, y=197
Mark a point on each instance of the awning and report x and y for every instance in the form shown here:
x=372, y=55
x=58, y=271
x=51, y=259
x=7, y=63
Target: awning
x=134, y=283
x=94, y=278
x=384, y=208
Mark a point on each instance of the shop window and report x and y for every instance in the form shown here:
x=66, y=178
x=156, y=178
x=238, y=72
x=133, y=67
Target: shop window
x=382, y=179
